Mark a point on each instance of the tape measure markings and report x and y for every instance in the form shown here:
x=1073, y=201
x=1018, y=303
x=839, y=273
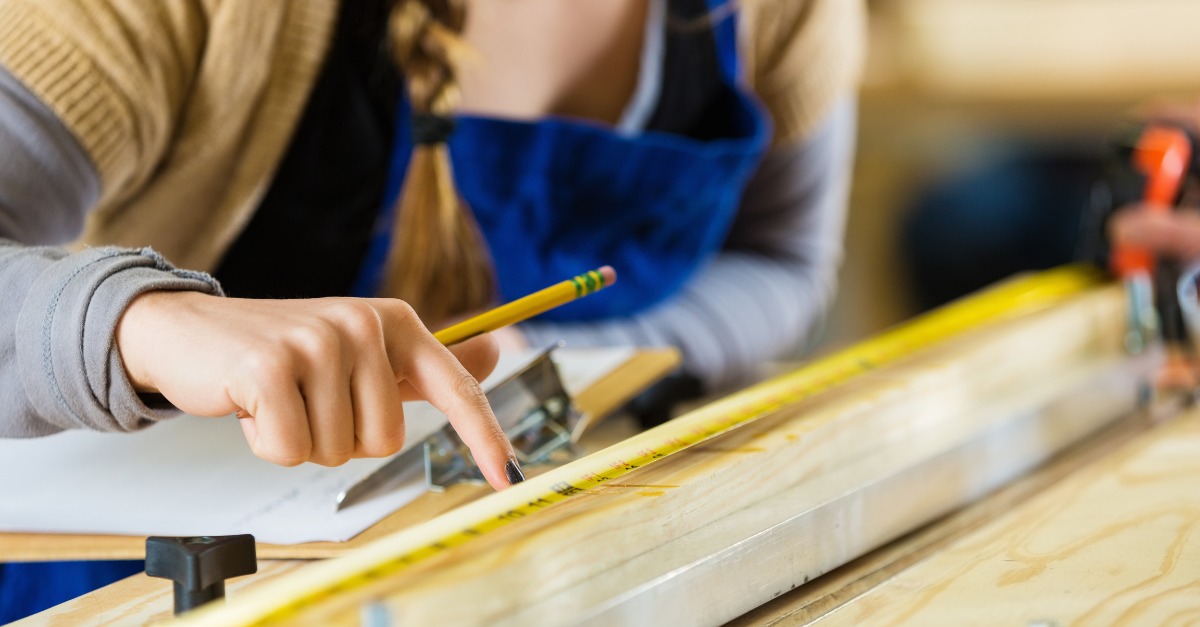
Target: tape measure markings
x=1010, y=300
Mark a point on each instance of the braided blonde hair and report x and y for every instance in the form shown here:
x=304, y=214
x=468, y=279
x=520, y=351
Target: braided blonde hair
x=438, y=261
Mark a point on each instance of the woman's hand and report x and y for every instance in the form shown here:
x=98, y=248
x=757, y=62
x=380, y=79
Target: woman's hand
x=317, y=380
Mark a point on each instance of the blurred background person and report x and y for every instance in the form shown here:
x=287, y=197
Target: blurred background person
x=984, y=126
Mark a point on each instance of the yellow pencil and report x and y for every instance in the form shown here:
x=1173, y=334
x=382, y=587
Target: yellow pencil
x=529, y=306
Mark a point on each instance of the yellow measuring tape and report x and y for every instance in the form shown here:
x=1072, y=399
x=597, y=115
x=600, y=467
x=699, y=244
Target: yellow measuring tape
x=284, y=598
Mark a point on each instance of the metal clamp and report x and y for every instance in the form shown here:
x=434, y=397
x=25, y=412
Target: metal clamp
x=536, y=414
x=532, y=407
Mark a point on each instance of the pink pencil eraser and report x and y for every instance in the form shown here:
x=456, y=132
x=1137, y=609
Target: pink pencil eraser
x=610, y=275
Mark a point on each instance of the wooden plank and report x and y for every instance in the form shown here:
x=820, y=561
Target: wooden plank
x=140, y=600
x=825, y=594
x=520, y=565
x=1116, y=543
x=646, y=367
x=782, y=542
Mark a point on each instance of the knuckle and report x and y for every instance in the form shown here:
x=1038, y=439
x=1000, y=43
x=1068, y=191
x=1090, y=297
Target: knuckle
x=342, y=454
x=281, y=452
x=402, y=312
x=265, y=363
x=358, y=318
x=406, y=310
x=288, y=461
x=385, y=445
x=467, y=388
x=287, y=456
x=330, y=460
x=316, y=338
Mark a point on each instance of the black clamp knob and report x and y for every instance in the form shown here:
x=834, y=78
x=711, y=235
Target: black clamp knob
x=199, y=566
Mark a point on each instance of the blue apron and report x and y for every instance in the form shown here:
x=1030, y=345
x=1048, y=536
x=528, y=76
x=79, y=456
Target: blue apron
x=29, y=588
x=557, y=197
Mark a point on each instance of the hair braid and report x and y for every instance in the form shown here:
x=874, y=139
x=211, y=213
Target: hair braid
x=438, y=261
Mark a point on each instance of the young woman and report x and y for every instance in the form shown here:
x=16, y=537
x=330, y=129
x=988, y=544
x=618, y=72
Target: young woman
x=701, y=148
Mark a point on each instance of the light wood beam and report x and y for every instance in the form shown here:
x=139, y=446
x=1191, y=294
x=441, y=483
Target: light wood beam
x=735, y=564
x=519, y=566
x=1117, y=543
x=827, y=593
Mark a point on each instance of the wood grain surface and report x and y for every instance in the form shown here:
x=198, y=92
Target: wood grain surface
x=1116, y=543
x=646, y=367
x=827, y=593
x=530, y=561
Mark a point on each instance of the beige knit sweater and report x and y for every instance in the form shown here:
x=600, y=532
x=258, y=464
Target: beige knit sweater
x=186, y=107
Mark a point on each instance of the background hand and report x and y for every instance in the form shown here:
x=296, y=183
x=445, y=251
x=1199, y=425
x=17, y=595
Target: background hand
x=1175, y=234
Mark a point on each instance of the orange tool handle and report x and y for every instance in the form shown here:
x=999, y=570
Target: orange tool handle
x=1162, y=155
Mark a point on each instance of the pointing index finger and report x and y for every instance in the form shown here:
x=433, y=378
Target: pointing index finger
x=450, y=388
x=439, y=377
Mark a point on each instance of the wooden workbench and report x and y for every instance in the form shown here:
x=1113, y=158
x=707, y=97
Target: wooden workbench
x=871, y=480
x=1108, y=532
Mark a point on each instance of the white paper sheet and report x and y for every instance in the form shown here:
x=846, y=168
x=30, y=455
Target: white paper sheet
x=196, y=476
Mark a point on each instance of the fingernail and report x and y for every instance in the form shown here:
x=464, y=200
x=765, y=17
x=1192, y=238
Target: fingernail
x=513, y=471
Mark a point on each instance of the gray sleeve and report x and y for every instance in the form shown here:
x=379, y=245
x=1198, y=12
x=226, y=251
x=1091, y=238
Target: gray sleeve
x=59, y=366
x=47, y=182
x=770, y=286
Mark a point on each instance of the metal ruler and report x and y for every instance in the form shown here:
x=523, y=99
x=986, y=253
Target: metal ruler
x=284, y=598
